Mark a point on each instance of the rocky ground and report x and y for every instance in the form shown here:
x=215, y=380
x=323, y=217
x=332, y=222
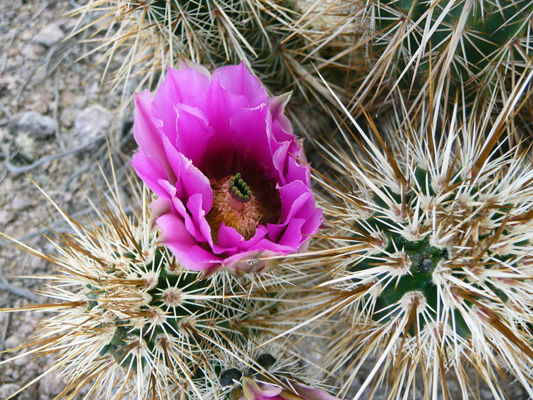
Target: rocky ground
x=54, y=118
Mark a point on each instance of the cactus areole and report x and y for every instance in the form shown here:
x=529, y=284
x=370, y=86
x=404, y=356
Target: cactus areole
x=455, y=230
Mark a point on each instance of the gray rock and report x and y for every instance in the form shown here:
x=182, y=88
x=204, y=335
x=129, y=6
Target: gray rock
x=51, y=385
x=36, y=125
x=20, y=202
x=40, y=107
x=67, y=117
x=49, y=35
x=5, y=217
x=12, y=342
x=7, y=389
x=92, y=122
x=22, y=361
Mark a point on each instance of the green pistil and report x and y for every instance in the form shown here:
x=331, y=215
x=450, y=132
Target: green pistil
x=239, y=190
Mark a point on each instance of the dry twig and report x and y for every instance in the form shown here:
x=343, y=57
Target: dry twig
x=21, y=292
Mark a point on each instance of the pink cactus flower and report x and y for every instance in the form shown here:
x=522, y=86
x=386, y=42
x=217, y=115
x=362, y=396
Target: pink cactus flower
x=252, y=390
x=232, y=179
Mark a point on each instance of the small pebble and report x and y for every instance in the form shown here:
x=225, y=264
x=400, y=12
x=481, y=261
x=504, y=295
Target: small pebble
x=12, y=342
x=7, y=389
x=92, y=122
x=20, y=202
x=48, y=36
x=40, y=107
x=51, y=385
x=35, y=124
x=13, y=52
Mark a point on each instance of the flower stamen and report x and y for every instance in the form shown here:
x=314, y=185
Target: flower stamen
x=235, y=205
x=239, y=190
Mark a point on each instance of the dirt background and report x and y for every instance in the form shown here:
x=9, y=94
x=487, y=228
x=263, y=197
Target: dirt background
x=54, y=118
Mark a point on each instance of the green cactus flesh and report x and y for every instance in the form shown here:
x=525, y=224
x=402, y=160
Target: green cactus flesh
x=425, y=257
x=211, y=314
x=490, y=34
x=231, y=31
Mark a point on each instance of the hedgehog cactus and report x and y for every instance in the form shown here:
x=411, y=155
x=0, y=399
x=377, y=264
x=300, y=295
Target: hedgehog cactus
x=159, y=33
x=157, y=318
x=269, y=370
x=473, y=46
x=432, y=256
x=131, y=320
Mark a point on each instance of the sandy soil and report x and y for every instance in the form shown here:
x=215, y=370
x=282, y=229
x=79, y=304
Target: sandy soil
x=50, y=104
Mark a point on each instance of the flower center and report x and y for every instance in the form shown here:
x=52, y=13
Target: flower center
x=239, y=190
x=235, y=205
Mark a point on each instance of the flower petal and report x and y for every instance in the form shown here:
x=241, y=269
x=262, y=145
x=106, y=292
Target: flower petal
x=277, y=105
x=190, y=180
x=151, y=172
x=195, y=133
x=252, y=391
x=231, y=240
x=199, y=224
x=146, y=130
x=176, y=237
x=296, y=200
x=299, y=217
x=192, y=133
x=313, y=394
x=187, y=86
x=237, y=80
x=250, y=136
